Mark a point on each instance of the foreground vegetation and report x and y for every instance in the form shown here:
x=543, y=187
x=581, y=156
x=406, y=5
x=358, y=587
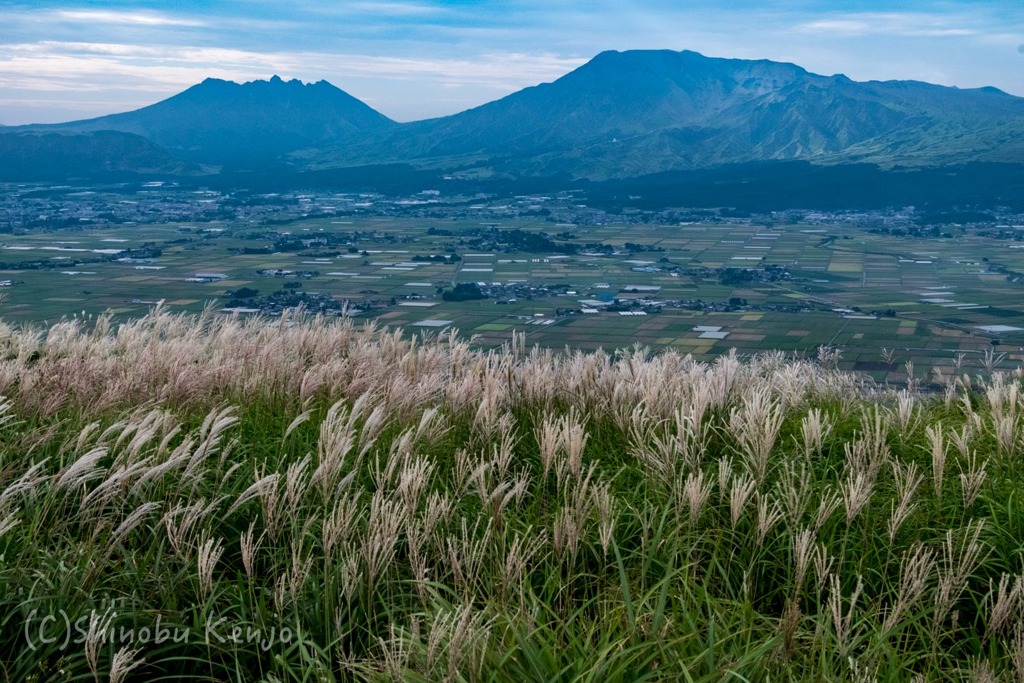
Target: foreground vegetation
x=210, y=499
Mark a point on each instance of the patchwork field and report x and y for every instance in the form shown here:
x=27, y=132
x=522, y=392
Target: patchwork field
x=882, y=300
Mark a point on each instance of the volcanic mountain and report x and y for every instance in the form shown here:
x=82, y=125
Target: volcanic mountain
x=226, y=123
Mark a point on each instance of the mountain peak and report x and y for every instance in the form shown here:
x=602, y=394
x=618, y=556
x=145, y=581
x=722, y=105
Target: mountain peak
x=219, y=121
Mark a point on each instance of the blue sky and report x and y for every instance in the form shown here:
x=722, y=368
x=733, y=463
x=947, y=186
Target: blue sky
x=412, y=59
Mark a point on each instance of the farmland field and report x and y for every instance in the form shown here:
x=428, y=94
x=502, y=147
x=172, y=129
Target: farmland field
x=882, y=300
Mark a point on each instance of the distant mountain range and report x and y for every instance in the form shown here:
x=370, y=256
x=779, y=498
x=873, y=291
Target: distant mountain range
x=622, y=116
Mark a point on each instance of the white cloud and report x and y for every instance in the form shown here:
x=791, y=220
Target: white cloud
x=382, y=9
x=128, y=18
x=906, y=24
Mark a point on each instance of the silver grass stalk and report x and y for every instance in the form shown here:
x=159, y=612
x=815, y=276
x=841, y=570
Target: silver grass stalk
x=1004, y=605
x=504, y=450
x=915, y=570
x=249, y=545
x=755, y=425
x=949, y=392
x=803, y=549
x=114, y=485
x=431, y=427
x=1018, y=652
x=566, y=535
x=856, y=492
x=768, y=514
x=549, y=442
x=178, y=458
x=209, y=554
x=1004, y=428
x=416, y=540
x=396, y=653
x=972, y=479
x=8, y=522
x=132, y=521
x=299, y=569
x=604, y=501
x=124, y=662
x=463, y=471
x=823, y=562
x=962, y=439
x=99, y=625
x=906, y=413
x=981, y=671
x=183, y=522
x=337, y=439
x=339, y=524
x=385, y=468
x=696, y=491
x=937, y=441
x=437, y=512
x=574, y=440
x=7, y=414
x=815, y=428
x=384, y=525
x=299, y=420
x=210, y=433
x=724, y=477
x=842, y=623
x=467, y=553
x=519, y=557
x=742, y=488
x=414, y=481
x=82, y=470
x=25, y=485
x=255, y=490
x=453, y=638
x=907, y=478
x=828, y=357
x=829, y=503
x=794, y=490
x=296, y=483
x=372, y=427
x=959, y=561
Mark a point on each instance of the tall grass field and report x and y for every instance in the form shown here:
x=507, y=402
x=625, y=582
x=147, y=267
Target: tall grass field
x=214, y=499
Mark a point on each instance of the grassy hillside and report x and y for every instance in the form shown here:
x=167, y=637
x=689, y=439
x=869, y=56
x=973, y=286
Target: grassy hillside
x=210, y=499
